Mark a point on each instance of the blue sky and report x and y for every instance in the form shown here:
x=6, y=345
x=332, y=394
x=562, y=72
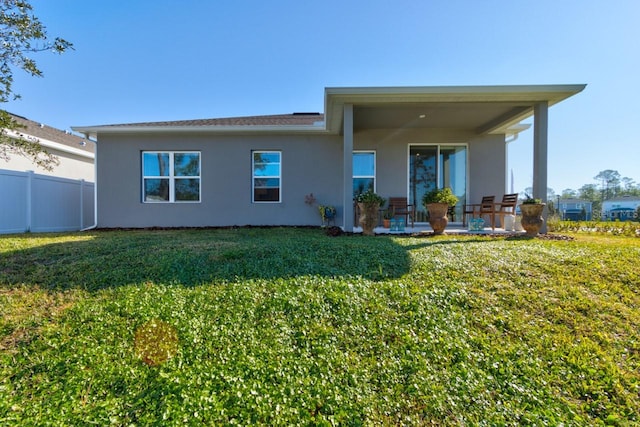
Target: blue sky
x=152, y=60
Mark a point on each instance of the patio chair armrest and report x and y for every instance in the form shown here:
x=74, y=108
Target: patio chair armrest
x=474, y=207
x=500, y=206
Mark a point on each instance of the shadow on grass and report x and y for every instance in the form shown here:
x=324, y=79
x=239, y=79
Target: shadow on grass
x=104, y=259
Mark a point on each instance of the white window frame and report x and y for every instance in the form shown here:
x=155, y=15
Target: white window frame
x=172, y=177
x=254, y=177
x=375, y=168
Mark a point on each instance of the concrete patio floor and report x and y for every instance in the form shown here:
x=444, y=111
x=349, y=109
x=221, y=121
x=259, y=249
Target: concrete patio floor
x=452, y=228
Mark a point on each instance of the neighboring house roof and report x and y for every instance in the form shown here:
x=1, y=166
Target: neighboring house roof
x=53, y=138
x=482, y=109
x=623, y=199
x=567, y=201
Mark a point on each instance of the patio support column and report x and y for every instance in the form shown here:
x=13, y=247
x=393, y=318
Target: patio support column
x=540, y=131
x=347, y=168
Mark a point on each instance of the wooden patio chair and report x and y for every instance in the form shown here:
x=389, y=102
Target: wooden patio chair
x=400, y=207
x=486, y=207
x=506, y=207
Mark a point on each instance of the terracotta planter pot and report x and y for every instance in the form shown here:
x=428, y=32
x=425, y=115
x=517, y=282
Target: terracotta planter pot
x=532, y=219
x=386, y=223
x=438, y=216
x=368, y=217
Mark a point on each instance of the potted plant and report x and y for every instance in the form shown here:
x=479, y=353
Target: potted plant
x=437, y=203
x=369, y=203
x=532, y=219
x=386, y=217
x=327, y=213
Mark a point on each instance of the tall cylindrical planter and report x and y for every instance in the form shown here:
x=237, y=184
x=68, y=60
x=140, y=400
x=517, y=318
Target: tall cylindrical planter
x=368, y=217
x=438, y=216
x=532, y=219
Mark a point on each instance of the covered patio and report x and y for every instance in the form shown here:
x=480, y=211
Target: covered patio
x=480, y=119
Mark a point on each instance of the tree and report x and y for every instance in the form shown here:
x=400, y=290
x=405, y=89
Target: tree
x=22, y=34
x=590, y=192
x=610, y=182
x=551, y=194
x=630, y=187
x=569, y=193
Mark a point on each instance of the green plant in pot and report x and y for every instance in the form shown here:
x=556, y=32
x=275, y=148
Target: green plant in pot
x=437, y=202
x=532, y=219
x=369, y=203
x=387, y=215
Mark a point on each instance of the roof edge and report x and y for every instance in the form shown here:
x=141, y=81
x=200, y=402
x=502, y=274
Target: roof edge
x=92, y=131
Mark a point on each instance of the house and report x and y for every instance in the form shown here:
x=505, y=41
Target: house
x=75, y=154
x=399, y=141
x=39, y=200
x=575, y=209
x=624, y=208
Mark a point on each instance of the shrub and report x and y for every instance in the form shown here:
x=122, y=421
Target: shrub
x=370, y=197
x=440, y=195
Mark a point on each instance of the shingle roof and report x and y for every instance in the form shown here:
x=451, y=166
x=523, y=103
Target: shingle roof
x=295, y=119
x=49, y=133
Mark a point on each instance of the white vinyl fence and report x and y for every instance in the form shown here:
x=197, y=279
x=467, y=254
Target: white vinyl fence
x=30, y=202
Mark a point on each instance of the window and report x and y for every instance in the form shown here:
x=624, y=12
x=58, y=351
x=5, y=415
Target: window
x=436, y=166
x=170, y=177
x=364, y=172
x=267, y=171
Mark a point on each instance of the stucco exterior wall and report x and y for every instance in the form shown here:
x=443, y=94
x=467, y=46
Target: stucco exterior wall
x=486, y=160
x=310, y=164
x=487, y=167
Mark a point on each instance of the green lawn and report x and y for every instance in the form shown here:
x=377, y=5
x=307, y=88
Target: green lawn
x=291, y=327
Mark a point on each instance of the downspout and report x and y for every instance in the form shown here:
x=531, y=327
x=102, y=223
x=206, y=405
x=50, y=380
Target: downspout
x=95, y=189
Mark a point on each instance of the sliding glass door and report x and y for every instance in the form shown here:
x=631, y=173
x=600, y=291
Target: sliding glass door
x=437, y=166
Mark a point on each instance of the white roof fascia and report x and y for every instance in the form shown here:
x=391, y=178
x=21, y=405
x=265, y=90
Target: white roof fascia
x=551, y=93
x=92, y=131
x=51, y=144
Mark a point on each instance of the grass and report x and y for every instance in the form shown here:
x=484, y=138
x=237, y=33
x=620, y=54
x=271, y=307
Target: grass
x=290, y=327
x=615, y=228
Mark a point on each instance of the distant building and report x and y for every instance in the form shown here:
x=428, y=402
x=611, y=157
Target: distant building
x=623, y=208
x=575, y=210
x=33, y=199
x=75, y=153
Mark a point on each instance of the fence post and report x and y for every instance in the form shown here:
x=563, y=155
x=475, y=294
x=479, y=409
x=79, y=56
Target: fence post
x=81, y=204
x=29, y=201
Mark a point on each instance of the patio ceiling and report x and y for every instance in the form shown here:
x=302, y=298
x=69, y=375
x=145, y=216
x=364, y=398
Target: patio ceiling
x=479, y=117
x=481, y=109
